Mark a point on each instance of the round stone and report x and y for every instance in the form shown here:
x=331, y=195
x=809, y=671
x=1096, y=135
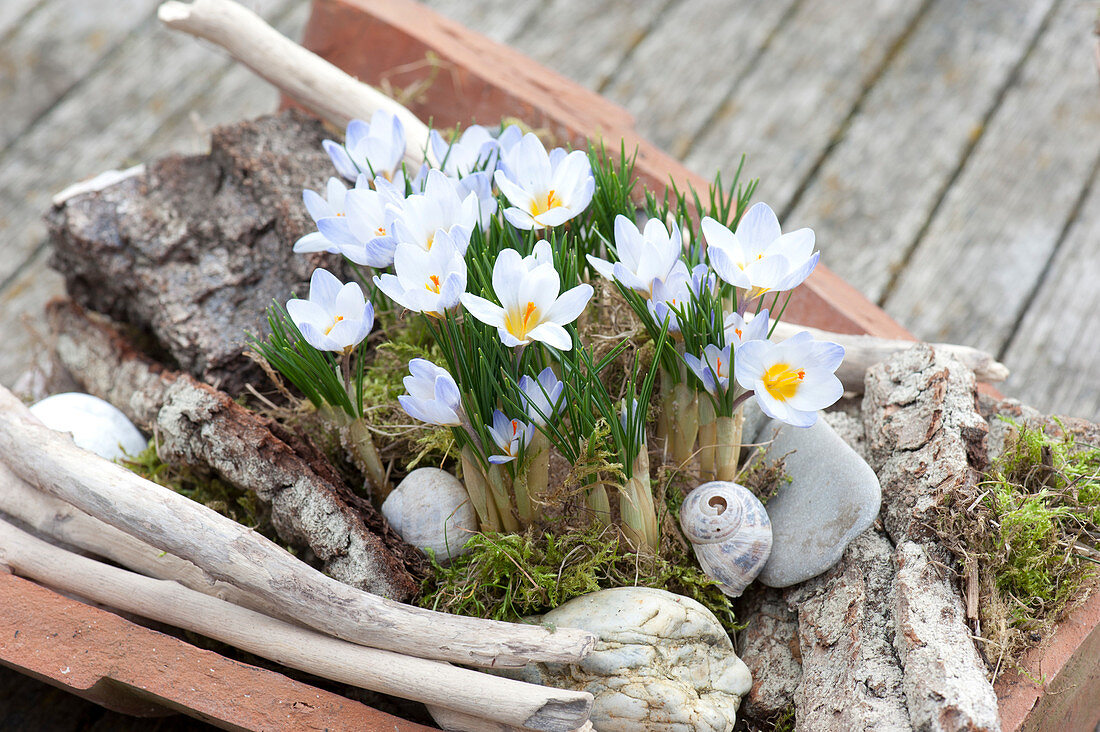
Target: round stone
x=95, y=424
x=430, y=509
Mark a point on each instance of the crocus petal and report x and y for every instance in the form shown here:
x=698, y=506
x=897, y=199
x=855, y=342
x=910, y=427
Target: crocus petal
x=570, y=304
x=315, y=242
x=552, y=335
x=485, y=311
x=758, y=228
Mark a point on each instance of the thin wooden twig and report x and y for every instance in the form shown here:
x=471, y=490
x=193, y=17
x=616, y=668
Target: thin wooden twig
x=501, y=700
x=232, y=553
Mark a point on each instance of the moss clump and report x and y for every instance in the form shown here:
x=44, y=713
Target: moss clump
x=1028, y=539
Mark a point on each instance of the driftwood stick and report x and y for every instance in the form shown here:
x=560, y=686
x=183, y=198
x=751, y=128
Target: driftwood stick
x=232, y=553
x=504, y=701
x=864, y=351
x=308, y=78
x=65, y=523
x=454, y=721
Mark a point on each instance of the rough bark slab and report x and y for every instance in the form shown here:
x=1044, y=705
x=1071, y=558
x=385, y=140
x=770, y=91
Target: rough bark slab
x=195, y=250
x=851, y=678
x=198, y=425
x=924, y=435
x=944, y=677
x=769, y=647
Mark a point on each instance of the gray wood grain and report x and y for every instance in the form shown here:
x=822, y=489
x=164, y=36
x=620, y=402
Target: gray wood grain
x=879, y=185
x=1055, y=351
x=53, y=48
x=679, y=74
x=974, y=271
x=497, y=19
x=25, y=336
x=14, y=12
x=102, y=123
x=792, y=104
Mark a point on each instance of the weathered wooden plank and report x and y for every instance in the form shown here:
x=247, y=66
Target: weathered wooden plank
x=587, y=41
x=53, y=48
x=498, y=19
x=21, y=304
x=875, y=192
x=787, y=110
x=14, y=12
x=1055, y=351
x=677, y=75
x=974, y=271
x=87, y=132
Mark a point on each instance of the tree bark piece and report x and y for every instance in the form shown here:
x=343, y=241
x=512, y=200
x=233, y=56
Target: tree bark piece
x=319, y=85
x=491, y=697
x=924, y=435
x=769, y=647
x=944, y=677
x=861, y=352
x=851, y=678
x=194, y=250
x=200, y=426
x=232, y=553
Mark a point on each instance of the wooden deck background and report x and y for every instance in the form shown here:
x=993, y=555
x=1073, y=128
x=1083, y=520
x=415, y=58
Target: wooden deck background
x=946, y=152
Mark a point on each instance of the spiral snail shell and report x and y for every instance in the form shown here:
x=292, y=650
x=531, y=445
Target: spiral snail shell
x=730, y=532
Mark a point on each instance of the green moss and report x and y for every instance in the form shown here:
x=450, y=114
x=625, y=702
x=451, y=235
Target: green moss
x=1029, y=537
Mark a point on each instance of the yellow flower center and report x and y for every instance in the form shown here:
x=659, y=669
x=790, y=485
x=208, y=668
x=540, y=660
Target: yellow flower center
x=433, y=284
x=782, y=381
x=518, y=323
x=542, y=205
x=380, y=231
x=335, y=320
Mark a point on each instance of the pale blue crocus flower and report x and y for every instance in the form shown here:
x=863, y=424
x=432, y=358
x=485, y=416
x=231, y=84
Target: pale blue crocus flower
x=759, y=257
x=475, y=149
x=739, y=330
x=433, y=395
x=426, y=282
x=712, y=368
x=510, y=435
x=545, y=189
x=542, y=396
x=644, y=256
x=438, y=208
x=375, y=148
x=336, y=317
x=331, y=205
x=793, y=379
x=364, y=231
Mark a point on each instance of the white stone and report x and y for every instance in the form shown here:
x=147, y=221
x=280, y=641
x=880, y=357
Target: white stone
x=430, y=509
x=95, y=424
x=661, y=662
x=833, y=496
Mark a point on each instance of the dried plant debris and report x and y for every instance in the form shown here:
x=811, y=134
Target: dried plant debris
x=1027, y=539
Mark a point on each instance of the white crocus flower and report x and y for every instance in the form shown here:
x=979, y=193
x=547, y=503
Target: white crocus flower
x=375, y=149
x=740, y=330
x=792, y=379
x=427, y=282
x=542, y=396
x=530, y=308
x=644, y=256
x=364, y=232
x=475, y=149
x=438, y=208
x=713, y=369
x=670, y=295
x=760, y=257
x=329, y=206
x=479, y=184
x=544, y=189
x=336, y=317
x=433, y=395
x=510, y=435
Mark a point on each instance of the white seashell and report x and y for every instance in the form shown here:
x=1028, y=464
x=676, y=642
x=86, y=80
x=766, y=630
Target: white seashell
x=430, y=509
x=96, y=425
x=730, y=531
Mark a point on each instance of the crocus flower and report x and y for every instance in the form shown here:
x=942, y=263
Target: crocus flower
x=329, y=206
x=336, y=317
x=739, y=330
x=542, y=396
x=433, y=395
x=375, y=148
x=713, y=369
x=759, y=257
x=792, y=379
x=544, y=189
x=644, y=256
x=530, y=309
x=475, y=149
x=364, y=232
x=510, y=435
x=479, y=184
x=669, y=296
x=427, y=282
x=437, y=209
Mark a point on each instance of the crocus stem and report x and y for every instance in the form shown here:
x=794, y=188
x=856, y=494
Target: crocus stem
x=357, y=442
x=478, y=488
x=533, y=478
x=664, y=421
x=499, y=492
x=708, y=436
x=599, y=503
x=685, y=425
x=728, y=449
x=636, y=507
